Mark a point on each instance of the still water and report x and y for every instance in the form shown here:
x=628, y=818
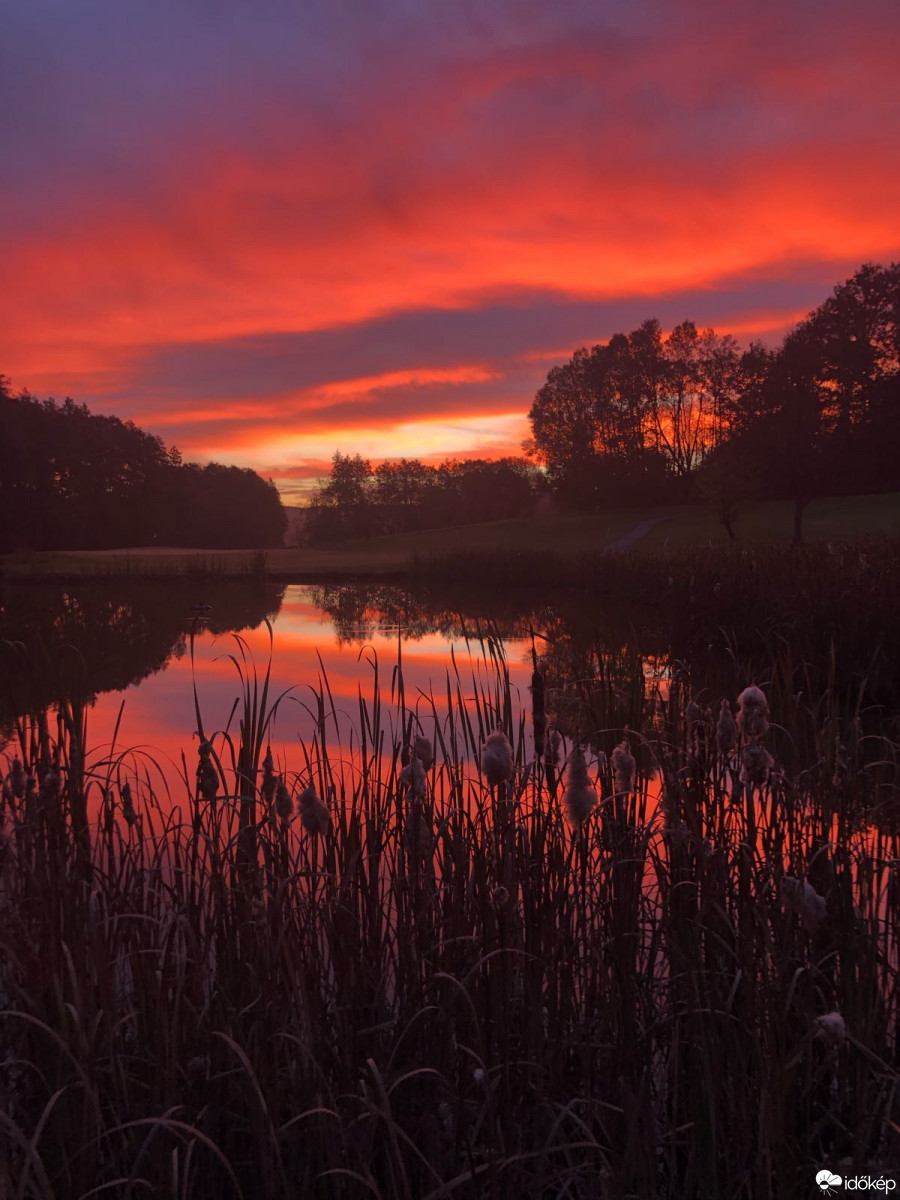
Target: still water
x=125, y=648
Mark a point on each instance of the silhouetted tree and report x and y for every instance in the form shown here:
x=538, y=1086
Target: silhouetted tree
x=615, y=421
x=821, y=415
x=72, y=479
x=726, y=482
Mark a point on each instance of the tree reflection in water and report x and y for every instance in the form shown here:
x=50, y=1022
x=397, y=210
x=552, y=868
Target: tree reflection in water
x=56, y=641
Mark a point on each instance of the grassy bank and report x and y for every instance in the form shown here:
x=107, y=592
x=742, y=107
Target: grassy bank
x=845, y=518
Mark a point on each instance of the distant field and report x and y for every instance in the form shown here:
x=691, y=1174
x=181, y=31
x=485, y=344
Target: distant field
x=844, y=518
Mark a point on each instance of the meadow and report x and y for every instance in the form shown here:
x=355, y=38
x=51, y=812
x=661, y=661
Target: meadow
x=677, y=528
x=610, y=939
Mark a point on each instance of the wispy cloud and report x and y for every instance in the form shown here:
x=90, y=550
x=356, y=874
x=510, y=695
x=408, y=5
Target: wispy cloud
x=270, y=230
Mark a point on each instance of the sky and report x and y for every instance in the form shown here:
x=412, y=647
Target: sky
x=268, y=230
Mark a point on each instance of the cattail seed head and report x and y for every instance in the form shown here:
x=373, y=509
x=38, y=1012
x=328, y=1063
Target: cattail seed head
x=313, y=812
x=753, y=713
x=424, y=751
x=418, y=834
x=128, y=811
x=284, y=802
x=16, y=779
x=270, y=780
x=496, y=758
x=412, y=778
x=756, y=763
x=551, y=752
x=832, y=1028
x=624, y=767
x=802, y=898
x=579, y=796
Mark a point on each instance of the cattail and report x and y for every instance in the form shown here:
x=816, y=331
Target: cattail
x=128, y=804
x=832, y=1028
x=269, y=785
x=30, y=797
x=15, y=782
x=538, y=711
x=424, y=751
x=496, y=758
x=579, y=797
x=50, y=787
x=624, y=767
x=412, y=778
x=802, y=898
x=418, y=835
x=284, y=802
x=753, y=713
x=693, y=714
x=313, y=812
x=207, y=775
x=726, y=729
x=756, y=763
x=553, y=744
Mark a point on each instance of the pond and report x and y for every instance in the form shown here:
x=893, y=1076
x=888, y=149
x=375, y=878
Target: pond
x=125, y=648
x=638, y=955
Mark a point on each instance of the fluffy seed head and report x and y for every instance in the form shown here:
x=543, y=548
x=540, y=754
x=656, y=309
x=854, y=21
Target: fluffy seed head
x=624, y=766
x=418, y=834
x=832, y=1028
x=313, y=812
x=412, y=778
x=424, y=751
x=756, y=763
x=496, y=758
x=579, y=797
x=551, y=752
x=14, y=784
x=802, y=898
x=284, y=803
x=753, y=713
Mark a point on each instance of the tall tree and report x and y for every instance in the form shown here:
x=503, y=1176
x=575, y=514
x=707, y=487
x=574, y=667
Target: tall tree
x=72, y=479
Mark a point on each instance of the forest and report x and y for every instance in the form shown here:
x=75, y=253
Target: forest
x=72, y=479
x=646, y=417
x=653, y=418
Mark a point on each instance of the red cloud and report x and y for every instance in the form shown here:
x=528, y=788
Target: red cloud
x=601, y=167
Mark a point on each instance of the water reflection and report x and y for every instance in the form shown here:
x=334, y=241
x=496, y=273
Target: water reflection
x=607, y=666
x=106, y=637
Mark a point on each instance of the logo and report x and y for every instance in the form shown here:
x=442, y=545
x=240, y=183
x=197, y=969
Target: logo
x=828, y=1183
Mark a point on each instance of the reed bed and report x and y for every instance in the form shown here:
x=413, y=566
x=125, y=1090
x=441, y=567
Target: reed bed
x=607, y=954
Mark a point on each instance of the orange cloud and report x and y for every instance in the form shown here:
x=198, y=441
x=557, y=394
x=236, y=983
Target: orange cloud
x=628, y=167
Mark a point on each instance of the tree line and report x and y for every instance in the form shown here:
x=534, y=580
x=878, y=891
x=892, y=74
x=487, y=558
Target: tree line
x=652, y=418
x=72, y=479
x=649, y=417
x=359, y=500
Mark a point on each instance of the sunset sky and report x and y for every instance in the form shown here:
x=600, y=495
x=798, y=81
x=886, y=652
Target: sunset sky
x=266, y=231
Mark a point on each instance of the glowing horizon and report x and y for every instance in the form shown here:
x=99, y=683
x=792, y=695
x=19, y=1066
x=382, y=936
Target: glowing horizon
x=272, y=235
